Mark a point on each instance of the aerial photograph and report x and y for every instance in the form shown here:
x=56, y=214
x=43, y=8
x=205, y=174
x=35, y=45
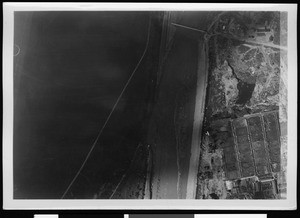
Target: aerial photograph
x=150, y=104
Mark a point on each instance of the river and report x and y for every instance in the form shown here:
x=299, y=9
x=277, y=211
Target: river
x=177, y=121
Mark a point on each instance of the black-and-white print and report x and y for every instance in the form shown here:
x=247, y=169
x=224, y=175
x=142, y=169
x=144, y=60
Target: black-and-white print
x=150, y=104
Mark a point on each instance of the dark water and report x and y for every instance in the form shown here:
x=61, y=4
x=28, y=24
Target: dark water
x=245, y=92
x=71, y=68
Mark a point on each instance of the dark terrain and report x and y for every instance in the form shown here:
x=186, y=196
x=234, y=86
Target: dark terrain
x=70, y=71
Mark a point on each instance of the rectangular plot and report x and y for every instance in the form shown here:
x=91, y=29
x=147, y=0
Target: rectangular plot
x=246, y=164
x=255, y=128
x=246, y=157
x=248, y=171
x=260, y=159
x=259, y=153
x=258, y=145
x=262, y=169
x=242, y=139
x=274, y=152
x=246, y=161
x=257, y=136
x=244, y=147
x=270, y=122
x=241, y=131
x=230, y=158
x=261, y=162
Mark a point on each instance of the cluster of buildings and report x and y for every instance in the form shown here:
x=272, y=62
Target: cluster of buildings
x=261, y=32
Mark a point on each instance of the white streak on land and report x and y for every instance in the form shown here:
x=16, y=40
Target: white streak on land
x=198, y=118
x=148, y=183
x=177, y=107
